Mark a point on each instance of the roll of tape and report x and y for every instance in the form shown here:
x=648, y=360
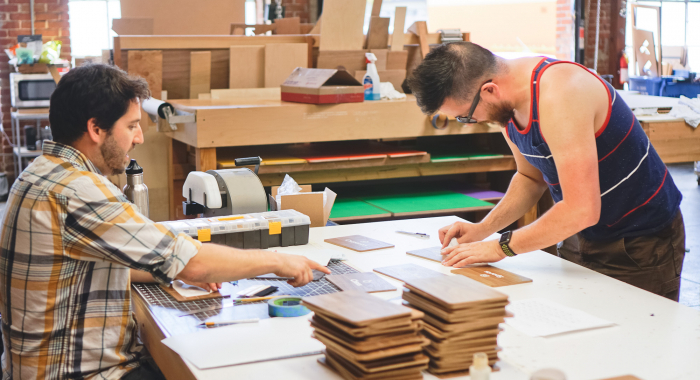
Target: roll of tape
x=286, y=307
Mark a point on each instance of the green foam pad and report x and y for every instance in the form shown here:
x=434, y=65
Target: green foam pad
x=462, y=157
x=349, y=207
x=424, y=201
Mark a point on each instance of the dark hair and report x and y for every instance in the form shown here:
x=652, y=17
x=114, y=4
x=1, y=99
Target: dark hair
x=451, y=70
x=92, y=91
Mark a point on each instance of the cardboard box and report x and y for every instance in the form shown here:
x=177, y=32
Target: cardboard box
x=322, y=86
x=306, y=202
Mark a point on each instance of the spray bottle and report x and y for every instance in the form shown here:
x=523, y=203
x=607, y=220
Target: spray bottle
x=135, y=190
x=371, y=79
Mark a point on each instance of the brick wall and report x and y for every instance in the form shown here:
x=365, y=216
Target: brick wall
x=297, y=8
x=51, y=21
x=565, y=30
x=612, y=36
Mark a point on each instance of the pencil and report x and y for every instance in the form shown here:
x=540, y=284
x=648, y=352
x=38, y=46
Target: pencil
x=224, y=323
x=257, y=298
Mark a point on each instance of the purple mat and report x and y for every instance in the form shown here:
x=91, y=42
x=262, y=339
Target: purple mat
x=482, y=194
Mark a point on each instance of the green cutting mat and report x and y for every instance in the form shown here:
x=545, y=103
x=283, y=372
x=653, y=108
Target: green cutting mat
x=462, y=157
x=425, y=201
x=348, y=207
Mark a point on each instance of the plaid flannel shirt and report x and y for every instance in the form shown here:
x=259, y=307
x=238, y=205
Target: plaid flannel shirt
x=68, y=239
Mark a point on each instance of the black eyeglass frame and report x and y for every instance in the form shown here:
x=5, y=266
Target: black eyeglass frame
x=468, y=119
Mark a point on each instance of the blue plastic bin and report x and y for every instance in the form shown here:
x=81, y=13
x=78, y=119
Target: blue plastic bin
x=675, y=90
x=646, y=85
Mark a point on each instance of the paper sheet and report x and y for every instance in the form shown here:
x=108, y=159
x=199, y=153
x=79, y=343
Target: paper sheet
x=186, y=290
x=320, y=255
x=542, y=317
x=269, y=339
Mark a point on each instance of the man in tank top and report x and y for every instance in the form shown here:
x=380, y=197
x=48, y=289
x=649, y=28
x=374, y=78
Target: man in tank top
x=616, y=207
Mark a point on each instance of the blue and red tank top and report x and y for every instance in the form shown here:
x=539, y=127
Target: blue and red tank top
x=638, y=196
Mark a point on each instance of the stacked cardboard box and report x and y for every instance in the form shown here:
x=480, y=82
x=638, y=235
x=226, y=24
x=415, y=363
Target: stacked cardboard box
x=461, y=319
x=368, y=338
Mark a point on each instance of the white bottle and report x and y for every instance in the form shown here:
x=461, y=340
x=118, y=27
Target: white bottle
x=480, y=370
x=371, y=79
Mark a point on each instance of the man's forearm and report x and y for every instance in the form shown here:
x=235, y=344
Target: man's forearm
x=559, y=223
x=216, y=263
x=523, y=193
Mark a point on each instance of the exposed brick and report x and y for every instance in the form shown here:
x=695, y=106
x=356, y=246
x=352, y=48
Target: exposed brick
x=59, y=24
x=9, y=7
x=19, y=16
x=57, y=8
x=10, y=25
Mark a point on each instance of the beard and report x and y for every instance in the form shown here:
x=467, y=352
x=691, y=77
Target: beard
x=114, y=157
x=501, y=113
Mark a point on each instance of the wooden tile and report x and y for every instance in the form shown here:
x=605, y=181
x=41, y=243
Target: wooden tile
x=378, y=33
x=200, y=73
x=359, y=243
x=247, y=66
x=396, y=60
x=407, y=272
x=455, y=292
x=363, y=282
x=342, y=25
x=397, y=38
x=492, y=276
x=282, y=59
x=349, y=353
x=420, y=29
x=180, y=298
x=288, y=25
x=355, y=308
x=432, y=253
x=133, y=26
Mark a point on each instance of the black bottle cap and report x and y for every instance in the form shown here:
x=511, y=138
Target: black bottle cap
x=134, y=168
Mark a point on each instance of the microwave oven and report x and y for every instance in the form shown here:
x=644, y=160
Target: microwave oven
x=31, y=90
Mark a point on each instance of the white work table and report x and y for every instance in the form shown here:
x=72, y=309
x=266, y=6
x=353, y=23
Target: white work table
x=654, y=338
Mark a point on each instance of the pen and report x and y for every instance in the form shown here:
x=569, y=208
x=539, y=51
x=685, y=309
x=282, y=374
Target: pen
x=257, y=298
x=226, y=323
x=416, y=234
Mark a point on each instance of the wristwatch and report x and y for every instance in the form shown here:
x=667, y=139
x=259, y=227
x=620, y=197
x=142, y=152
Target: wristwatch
x=505, y=239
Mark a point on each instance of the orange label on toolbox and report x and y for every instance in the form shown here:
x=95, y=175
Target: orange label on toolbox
x=230, y=218
x=275, y=228
x=204, y=235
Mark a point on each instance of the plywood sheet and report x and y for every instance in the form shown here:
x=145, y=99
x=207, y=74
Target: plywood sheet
x=281, y=60
x=350, y=60
x=200, y=73
x=152, y=154
x=247, y=66
x=420, y=29
x=645, y=52
x=288, y=25
x=184, y=17
x=397, y=40
x=396, y=60
x=133, y=26
x=378, y=33
x=342, y=25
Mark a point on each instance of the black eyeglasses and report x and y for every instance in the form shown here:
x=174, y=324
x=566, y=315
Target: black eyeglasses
x=468, y=119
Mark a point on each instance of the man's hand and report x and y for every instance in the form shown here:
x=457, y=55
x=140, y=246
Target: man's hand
x=464, y=232
x=213, y=286
x=298, y=267
x=473, y=253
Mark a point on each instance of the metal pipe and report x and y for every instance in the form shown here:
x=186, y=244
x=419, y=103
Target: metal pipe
x=597, y=39
x=31, y=11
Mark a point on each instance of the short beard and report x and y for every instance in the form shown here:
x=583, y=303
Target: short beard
x=113, y=155
x=501, y=113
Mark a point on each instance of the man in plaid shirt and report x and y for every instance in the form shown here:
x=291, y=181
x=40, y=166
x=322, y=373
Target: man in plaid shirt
x=71, y=243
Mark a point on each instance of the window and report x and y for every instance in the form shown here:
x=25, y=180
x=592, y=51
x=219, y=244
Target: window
x=91, y=26
x=680, y=26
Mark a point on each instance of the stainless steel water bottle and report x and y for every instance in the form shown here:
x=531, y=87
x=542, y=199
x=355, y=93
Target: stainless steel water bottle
x=135, y=190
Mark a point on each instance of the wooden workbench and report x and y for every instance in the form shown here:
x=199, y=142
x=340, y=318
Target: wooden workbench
x=653, y=337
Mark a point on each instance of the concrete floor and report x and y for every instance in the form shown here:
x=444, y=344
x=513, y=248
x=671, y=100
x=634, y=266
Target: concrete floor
x=686, y=180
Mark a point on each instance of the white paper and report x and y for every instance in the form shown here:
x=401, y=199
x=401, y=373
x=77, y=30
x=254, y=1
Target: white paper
x=186, y=290
x=269, y=339
x=310, y=251
x=542, y=317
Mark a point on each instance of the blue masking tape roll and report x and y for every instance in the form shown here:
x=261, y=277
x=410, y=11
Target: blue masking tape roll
x=286, y=307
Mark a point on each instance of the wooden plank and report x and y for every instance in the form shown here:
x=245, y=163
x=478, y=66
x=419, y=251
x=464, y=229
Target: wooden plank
x=382, y=57
x=376, y=8
x=133, y=26
x=202, y=42
x=674, y=141
x=378, y=33
x=151, y=333
x=247, y=66
x=342, y=25
x=245, y=94
x=396, y=60
x=350, y=60
x=288, y=25
x=281, y=60
x=420, y=29
x=200, y=73
x=492, y=276
x=182, y=17
x=399, y=26
x=317, y=28
x=149, y=65
x=205, y=159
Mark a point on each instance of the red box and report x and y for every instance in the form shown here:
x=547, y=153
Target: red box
x=322, y=86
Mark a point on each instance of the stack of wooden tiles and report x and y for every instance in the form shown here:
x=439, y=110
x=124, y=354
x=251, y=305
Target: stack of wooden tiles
x=368, y=338
x=461, y=319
